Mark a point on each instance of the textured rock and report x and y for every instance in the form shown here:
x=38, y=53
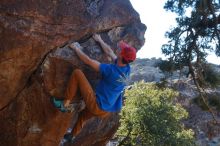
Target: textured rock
x=30, y=29
x=35, y=64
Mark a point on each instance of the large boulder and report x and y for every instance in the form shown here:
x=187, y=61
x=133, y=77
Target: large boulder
x=35, y=63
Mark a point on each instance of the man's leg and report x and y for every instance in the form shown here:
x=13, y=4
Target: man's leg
x=90, y=111
x=71, y=91
x=83, y=117
x=79, y=81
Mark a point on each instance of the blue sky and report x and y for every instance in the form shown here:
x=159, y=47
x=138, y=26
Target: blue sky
x=158, y=21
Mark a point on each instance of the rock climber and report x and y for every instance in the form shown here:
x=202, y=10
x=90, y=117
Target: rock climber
x=107, y=97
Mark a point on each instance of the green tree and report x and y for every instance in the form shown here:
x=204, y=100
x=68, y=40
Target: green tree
x=195, y=35
x=211, y=76
x=150, y=117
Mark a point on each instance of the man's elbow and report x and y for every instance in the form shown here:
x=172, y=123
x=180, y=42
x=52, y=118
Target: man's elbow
x=94, y=64
x=87, y=60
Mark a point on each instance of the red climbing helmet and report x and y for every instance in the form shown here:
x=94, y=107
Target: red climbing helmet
x=128, y=53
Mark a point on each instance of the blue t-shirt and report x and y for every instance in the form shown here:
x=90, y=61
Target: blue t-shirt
x=110, y=87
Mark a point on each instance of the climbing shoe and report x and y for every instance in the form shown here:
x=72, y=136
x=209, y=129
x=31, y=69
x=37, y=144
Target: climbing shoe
x=73, y=139
x=58, y=103
x=73, y=107
x=68, y=137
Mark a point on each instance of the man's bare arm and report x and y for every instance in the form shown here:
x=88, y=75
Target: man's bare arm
x=106, y=48
x=86, y=59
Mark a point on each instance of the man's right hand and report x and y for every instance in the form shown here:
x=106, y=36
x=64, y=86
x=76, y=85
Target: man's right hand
x=97, y=37
x=75, y=46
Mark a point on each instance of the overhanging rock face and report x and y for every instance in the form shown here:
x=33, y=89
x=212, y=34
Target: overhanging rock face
x=35, y=63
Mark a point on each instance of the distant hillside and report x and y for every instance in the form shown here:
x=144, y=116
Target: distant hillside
x=147, y=70
x=200, y=120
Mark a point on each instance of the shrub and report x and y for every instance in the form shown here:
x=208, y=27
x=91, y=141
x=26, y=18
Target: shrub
x=149, y=117
x=213, y=101
x=211, y=76
x=168, y=66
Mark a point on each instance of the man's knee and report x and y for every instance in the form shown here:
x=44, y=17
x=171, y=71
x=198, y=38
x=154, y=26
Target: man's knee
x=77, y=72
